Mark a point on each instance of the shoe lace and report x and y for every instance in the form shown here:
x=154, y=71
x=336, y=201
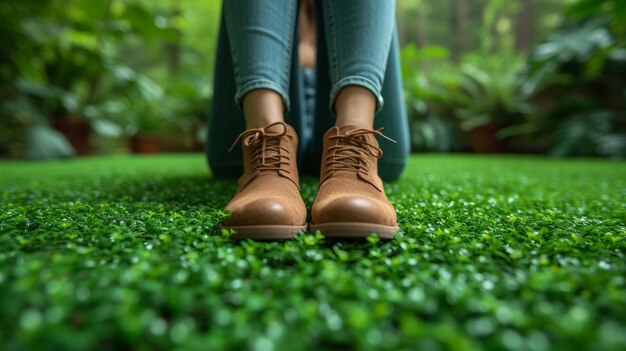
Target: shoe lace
x=351, y=150
x=266, y=153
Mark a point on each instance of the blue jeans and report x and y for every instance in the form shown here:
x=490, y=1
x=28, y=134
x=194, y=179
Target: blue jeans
x=356, y=46
x=261, y=33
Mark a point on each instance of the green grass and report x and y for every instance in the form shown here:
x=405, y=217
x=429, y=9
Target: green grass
x=512, y=253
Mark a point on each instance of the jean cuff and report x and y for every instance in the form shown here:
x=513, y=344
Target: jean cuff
x=358, y=81
x=261, y=84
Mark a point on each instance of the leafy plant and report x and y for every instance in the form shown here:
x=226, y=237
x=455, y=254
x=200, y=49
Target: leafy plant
x=578, y=80
x=429, y=80
x=489, y=91
x=611, y=12
x=138, y=109
x=572, y=54
x=70, y=62
x=445, y=98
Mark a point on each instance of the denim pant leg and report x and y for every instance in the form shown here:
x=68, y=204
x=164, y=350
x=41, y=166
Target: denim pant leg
x=392, y=116
x=358, y=37
x=226, y=120
x=261, y=33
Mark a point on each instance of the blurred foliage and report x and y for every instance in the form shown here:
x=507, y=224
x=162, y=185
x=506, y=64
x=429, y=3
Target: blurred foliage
x=127, y=66
x=447, y=98
x=570, y=91
x=467, y=25
x=489, y=90
x=472, y=79
x=428, y=78
x=578, y=76
x=123, y=65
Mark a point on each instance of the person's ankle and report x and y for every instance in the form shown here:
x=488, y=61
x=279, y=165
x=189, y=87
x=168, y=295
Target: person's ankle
x=263, y=121
x=355, y=106
x=262, y=107
x=360, y=123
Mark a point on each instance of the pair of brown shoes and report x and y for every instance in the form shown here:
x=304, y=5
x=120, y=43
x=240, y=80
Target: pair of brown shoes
x=350, y=201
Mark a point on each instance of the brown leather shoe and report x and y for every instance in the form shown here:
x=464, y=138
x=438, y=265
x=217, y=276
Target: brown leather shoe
x=351, y=201
x=267, y=204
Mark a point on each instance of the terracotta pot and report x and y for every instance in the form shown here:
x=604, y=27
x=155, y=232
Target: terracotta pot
x=145, y=143
x=484, y=140
x=198, y=143
x=77, y=132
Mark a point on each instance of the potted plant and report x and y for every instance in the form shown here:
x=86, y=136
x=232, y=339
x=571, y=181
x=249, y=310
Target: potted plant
x=147, y=139
x=489, y=98
x=429, y=78
x=60, y=70
x=69, y=62
x=184, y=108
x=577, y=80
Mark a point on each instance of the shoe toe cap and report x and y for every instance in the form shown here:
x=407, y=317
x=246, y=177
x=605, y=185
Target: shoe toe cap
x=355, y=209
x=266, y=212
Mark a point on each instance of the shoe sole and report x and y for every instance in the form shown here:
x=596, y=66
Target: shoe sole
x=354, y=230
x=266, y=232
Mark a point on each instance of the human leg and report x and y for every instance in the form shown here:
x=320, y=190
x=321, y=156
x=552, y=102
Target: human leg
x=262, y=107
x=392, y=116
x=355, y=105
x=267, y=204
x=226, y=119
x=351, y=200
x=261, y=37
x=358, y=35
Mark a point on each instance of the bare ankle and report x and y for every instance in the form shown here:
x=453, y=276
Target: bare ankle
x=355, y=106
x=262, y=107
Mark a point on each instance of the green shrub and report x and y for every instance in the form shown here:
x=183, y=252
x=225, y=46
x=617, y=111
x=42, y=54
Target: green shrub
x=445, y=99
x=578, y=80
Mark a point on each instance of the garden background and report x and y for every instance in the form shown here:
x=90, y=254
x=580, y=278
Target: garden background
x=480, y=75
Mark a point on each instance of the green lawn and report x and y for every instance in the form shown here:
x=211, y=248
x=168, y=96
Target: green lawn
x=118, y=253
